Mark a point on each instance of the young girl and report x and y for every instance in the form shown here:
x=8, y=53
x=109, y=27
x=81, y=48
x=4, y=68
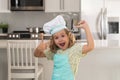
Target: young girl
x=63, y=49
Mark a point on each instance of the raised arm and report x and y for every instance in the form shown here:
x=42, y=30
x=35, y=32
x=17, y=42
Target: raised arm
x=90, y=42
x=39, y=51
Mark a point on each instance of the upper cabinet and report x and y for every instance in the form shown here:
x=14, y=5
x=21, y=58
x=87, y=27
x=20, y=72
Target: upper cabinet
x=62, y=5
x=4, y=6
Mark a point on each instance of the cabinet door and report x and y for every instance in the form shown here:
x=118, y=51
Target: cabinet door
x=71, y=5
x=62, y=6
x=52, y=5
x=4, y=6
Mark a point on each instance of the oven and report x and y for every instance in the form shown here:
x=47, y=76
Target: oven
x=17, y=35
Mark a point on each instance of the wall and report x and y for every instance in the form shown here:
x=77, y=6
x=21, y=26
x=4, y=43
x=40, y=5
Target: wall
x=19, y=20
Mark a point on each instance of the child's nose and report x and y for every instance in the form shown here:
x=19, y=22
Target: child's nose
x=60, y=39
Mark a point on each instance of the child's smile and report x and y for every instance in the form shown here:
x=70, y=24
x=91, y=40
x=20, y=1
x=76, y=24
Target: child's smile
x=62, y=44
x=61, y=39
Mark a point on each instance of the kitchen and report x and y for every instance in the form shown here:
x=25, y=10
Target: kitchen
x=92, y=67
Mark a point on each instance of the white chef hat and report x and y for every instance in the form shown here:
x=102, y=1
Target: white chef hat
x=55, y=25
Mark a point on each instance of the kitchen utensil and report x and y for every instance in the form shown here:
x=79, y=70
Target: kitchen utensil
x=34, y=29
x=30, y=29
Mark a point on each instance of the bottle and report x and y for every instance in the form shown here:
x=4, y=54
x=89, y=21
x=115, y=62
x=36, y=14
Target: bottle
x=16, y=3
x=75, y=21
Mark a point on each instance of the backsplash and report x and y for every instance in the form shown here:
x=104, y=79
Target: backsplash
x=21, y=20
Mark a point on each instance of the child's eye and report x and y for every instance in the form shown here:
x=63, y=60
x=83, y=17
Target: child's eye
x=55, y=37
x=63, y=35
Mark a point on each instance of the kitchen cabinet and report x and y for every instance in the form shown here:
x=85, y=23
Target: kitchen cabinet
x=3, y=64
x=4, y=6
x=62, y=5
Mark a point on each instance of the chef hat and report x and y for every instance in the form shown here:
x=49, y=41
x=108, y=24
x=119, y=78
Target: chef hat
x=55, y=25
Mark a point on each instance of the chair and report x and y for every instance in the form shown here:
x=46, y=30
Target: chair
x=21, y=61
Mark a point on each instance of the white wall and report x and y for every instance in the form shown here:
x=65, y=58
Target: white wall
x=22, y=19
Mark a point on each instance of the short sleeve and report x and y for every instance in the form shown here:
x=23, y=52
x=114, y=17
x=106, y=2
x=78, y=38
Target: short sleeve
x=49, y=54
x=77, y=50
x=75, y=56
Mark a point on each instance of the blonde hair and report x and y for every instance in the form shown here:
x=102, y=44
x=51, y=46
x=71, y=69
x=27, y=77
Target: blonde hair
x=54, y=47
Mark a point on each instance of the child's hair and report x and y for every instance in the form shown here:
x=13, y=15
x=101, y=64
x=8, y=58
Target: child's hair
x=54, y=47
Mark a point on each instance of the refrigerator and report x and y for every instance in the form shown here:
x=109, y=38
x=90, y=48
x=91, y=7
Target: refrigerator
x=95, y=13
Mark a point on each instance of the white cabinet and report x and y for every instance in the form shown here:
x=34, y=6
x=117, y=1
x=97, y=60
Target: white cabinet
x=3, y=43
x=62, y=5
x=4, y=6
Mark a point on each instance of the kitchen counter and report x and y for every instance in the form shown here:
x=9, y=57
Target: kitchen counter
x=3, y=36
x=99, y=44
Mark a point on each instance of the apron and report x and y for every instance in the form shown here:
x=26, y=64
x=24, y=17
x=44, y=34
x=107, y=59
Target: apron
x=62, y=69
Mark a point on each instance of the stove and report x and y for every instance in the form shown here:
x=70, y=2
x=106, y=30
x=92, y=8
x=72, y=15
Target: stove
x=23, y=35
x=28, y=35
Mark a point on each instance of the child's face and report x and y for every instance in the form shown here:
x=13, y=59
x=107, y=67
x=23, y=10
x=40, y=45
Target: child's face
x=61, y=39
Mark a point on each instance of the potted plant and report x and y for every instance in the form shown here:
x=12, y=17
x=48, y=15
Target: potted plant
x=4, y=27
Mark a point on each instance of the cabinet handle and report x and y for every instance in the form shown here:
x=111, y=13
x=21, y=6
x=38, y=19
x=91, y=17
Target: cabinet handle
x=8, y=3
x=60, y=5
x=79, y=5
x=63, y=4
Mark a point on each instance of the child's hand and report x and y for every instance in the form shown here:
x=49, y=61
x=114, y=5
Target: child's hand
x=82, y=24
x=39, y=51
x=41, y=36
x=42, y=44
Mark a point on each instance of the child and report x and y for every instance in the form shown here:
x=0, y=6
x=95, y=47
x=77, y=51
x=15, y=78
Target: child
x=62, y=48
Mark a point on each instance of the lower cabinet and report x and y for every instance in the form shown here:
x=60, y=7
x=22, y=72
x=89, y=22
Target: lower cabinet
x=3, y=64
